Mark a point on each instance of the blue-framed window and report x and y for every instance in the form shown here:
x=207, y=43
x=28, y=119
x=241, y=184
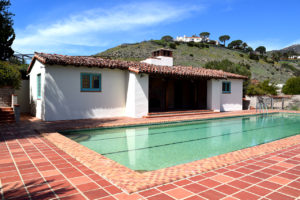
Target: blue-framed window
x=226, y=87
x=90, y=82
x=39, y=86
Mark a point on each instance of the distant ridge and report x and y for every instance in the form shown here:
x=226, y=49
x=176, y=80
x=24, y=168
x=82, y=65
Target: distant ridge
x=295, y=48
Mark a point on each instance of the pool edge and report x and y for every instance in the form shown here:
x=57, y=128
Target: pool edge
x=132, y=181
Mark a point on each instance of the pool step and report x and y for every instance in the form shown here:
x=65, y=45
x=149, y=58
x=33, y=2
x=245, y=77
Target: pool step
x=178, y=113
x=7, y=115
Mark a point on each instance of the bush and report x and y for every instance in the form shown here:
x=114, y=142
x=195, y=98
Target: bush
x=172, y=45
x=288, y=66
x=177, y=42
x=192, y=55
x=263, y=88
x=253, y=56
x=191, y=44
x=292, y=86
x=160, y=42
x=212, y=42
x=9, y=75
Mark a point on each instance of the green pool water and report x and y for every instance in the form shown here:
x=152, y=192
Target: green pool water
x=153, y=147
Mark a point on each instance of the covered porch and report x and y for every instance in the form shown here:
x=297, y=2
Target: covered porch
x=169, y=94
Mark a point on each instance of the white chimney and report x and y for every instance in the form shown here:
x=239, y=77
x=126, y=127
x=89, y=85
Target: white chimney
x=162, y=57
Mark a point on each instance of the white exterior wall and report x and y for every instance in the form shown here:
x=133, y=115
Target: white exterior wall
x=217, y=101
x=233, y=101
x=214, y=94
x=65, y=101
x=137, y=95
x=37, y=106
x=160, y=60
x=23, y=96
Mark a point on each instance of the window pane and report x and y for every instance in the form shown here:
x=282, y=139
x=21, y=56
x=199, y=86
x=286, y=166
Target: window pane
x=96, y=82
x=39, y=85
x=85, y=81
x=224, y=87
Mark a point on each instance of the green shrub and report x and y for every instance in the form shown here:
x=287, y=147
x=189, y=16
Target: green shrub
x=212, y=42
x=9, y=75
x=172, y=45
x=160, y=42
x=292, y=86
x=191, y=44
x=192, y=55
x=253, y=56
x=177, y=42
x=288, y=66
x=264, y=88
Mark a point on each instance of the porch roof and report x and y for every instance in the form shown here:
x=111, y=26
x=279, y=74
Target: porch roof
x=137, y=67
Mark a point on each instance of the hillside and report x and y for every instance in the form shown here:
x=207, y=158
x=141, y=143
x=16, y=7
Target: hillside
x=295, y=48
x=197, y=57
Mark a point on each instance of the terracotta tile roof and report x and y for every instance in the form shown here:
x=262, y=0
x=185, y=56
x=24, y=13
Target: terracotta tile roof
x=137, y=67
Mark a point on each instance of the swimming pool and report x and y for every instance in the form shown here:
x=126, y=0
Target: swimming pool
x=152, y=147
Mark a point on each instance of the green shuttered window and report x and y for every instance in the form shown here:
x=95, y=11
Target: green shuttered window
x=90, y=82
x=226, y=87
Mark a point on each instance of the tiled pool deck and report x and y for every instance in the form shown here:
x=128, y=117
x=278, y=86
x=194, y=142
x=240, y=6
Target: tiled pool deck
x=32, y=167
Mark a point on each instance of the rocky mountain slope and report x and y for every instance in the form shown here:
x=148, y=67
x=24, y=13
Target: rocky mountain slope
x=295, y=48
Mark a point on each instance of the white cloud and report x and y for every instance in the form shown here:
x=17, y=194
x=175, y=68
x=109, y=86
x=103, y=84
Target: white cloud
x=88, y=28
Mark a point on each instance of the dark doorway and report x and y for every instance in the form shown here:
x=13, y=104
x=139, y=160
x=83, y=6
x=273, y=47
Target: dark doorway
x=169, y=94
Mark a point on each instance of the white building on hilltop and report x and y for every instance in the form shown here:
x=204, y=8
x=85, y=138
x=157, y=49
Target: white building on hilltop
x=194, y=39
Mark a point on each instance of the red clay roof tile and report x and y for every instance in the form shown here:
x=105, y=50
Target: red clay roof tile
x=137, y=67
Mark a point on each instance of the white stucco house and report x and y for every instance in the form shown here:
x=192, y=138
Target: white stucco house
x=193, y=39
x=83, y=87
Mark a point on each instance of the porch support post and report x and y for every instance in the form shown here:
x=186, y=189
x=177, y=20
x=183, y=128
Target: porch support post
x=214, y=94
x=137, y=95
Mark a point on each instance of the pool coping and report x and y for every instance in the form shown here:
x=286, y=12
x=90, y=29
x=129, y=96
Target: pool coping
x=132, y=181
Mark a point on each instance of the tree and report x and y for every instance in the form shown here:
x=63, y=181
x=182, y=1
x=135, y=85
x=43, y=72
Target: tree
x=9, y=75
x=244, y=45
x=167, y=38
x=224, y=38
x=235, y=44
x=7, y=34
x=249, y=49
x=261, y=49
x=292, y=86
x=204, y=35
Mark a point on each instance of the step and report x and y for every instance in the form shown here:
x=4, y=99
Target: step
x=7, y=117
x=6, y=112
x=6, y=109
x=7, y=122
x=178, y=114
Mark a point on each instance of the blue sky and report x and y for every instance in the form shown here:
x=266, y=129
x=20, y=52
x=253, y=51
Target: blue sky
x=77, y=27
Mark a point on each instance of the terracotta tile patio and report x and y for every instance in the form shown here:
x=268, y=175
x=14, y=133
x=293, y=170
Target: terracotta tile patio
x=32, y=167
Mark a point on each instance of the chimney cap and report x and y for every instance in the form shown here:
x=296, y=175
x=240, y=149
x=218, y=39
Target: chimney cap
x=162, y=52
